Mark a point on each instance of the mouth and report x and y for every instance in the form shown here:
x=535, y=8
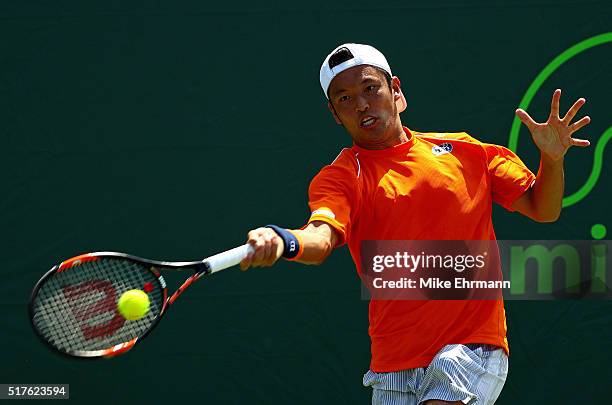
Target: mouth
x=368, y=122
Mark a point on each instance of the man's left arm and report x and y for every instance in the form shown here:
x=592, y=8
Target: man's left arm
x=542, y=202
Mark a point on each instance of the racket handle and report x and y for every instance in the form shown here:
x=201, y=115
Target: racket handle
x=228, y=258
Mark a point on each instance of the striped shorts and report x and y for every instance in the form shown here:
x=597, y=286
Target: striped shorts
x=473, y=374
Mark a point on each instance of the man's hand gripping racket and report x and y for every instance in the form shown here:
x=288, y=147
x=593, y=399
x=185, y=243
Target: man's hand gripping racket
x=73, y=307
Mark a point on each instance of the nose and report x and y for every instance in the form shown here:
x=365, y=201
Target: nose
x=361, y=104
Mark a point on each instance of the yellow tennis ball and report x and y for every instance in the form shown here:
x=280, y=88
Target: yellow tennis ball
x=133, y=304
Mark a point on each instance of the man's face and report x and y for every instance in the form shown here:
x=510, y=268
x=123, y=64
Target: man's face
x=361, y=100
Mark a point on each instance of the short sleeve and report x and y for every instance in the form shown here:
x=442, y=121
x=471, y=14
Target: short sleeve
x=510, y=178
x=332, y=198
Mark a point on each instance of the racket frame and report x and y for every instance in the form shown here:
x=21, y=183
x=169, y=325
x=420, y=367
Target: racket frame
x=200, y=268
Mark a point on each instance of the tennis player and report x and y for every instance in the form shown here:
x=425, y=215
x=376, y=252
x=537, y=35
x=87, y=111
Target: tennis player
x=395, y=183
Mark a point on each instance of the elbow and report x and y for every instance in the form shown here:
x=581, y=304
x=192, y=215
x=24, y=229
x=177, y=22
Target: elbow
x=547, y=217
x=545, y=212
x=316, y=262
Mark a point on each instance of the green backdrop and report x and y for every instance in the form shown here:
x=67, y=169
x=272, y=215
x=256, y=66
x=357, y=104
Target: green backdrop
x=169, y=129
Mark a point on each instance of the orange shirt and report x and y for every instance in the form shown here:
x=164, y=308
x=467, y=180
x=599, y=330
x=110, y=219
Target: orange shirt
x=436, y=186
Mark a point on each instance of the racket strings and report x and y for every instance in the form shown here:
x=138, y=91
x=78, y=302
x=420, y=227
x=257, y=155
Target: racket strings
x=76, y=309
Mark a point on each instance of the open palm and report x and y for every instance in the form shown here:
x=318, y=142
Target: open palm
x=554, y=137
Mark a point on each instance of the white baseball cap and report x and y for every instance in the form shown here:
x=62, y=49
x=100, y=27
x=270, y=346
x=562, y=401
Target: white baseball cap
x=358, y=54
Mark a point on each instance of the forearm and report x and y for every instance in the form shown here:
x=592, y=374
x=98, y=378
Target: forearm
x=316, y=243
x=547, y=192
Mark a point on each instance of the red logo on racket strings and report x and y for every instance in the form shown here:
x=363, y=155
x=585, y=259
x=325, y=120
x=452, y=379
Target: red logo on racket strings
x=80, y=296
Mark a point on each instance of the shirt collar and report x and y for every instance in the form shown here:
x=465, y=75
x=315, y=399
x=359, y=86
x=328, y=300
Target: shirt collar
x=391, y=151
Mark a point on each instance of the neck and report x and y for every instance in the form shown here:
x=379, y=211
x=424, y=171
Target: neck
x=396, y=136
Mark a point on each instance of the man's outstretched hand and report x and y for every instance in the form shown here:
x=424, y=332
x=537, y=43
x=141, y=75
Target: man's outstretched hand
x=554, y=137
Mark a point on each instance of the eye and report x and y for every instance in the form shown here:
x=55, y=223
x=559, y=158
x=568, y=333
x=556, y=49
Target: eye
x=371, y=88
x=342, y=99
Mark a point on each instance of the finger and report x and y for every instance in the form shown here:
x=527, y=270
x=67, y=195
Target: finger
x=277, y=248
x=571, y=113
x=267, y=248
x=554, y=104
x=271, y=259
x=579, y=124
x=280, y=247
x=259, y=251
x=246, y=262
x=579, y=142
x=253, y=235
x=526, y=119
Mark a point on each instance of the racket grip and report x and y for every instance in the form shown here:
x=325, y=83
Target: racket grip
x=228, y=258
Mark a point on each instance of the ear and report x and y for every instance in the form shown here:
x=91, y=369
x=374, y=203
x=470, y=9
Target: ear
x=396, y=85
x=333, y=111
x=398, y=96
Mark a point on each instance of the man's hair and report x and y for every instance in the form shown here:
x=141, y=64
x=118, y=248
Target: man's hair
x=343, y=54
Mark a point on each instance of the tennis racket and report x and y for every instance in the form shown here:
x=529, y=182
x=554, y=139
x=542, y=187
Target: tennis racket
x=73, y=307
